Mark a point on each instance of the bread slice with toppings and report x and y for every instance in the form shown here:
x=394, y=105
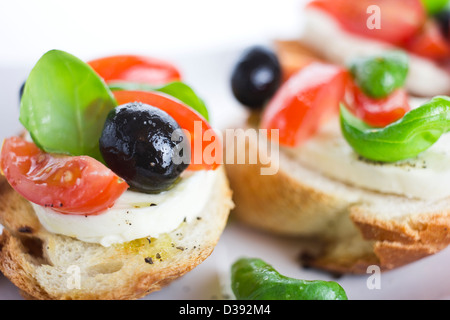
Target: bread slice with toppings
x=340, y=228
x=44, y=265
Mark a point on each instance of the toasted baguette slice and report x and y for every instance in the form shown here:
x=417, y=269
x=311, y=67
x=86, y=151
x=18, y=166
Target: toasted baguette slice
x=49, y=266
x=346, y=228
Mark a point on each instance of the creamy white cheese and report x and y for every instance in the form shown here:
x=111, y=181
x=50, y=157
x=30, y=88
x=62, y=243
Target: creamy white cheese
x=136, y=215
x=323, y=33
x=425, y=177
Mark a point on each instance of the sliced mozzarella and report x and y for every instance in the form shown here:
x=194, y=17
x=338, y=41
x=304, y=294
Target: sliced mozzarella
x=136, y=215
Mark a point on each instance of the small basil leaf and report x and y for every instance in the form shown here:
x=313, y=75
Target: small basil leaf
x=176, y=89
x=406, y=138
x=380, y=75
x=65, y=104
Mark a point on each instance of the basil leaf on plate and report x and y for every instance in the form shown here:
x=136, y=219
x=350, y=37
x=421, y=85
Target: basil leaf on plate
x=176, y=89
x=65, y=104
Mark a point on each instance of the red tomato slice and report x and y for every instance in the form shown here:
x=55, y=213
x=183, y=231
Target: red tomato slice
x=430, y=43
x=206, y=145
x=69, y=185
x=378, y=112
x=305, y=101
x=135, y=68
x=399, y=19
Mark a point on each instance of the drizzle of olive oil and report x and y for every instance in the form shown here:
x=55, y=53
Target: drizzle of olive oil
x=157, y=249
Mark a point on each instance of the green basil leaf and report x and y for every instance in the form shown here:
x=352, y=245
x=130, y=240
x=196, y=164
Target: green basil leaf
x=380, y=75
x=435, y=6
x=255, y=279
x=176, y=89
x=406, y=138
x=65, y=104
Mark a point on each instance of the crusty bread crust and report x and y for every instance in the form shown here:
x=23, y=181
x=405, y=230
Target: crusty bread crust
x=351, y=228
x=39, y=262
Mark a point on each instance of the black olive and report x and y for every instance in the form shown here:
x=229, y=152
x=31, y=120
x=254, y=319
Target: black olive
x=443, y=20
x=138, y=144
x=256, y=77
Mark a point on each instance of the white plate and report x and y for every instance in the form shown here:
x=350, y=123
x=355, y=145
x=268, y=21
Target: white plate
x=209, y=74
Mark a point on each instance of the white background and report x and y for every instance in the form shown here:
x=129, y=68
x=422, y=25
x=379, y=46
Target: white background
x=204, y=37
x=88, y=28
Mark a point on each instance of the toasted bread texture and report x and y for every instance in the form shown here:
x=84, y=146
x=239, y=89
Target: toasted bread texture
x=340, y=228
x=50, y=266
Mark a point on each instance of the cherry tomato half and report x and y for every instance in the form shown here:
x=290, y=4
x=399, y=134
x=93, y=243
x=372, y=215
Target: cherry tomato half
x=70, y=185
x=305, y=101
x=377, y=112
x=135, y=68
x=393, y=21
x=206, y=145
x=430, y=43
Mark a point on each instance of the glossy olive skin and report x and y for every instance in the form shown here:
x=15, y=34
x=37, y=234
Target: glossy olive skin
x=136, y=143
x=256, y=77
